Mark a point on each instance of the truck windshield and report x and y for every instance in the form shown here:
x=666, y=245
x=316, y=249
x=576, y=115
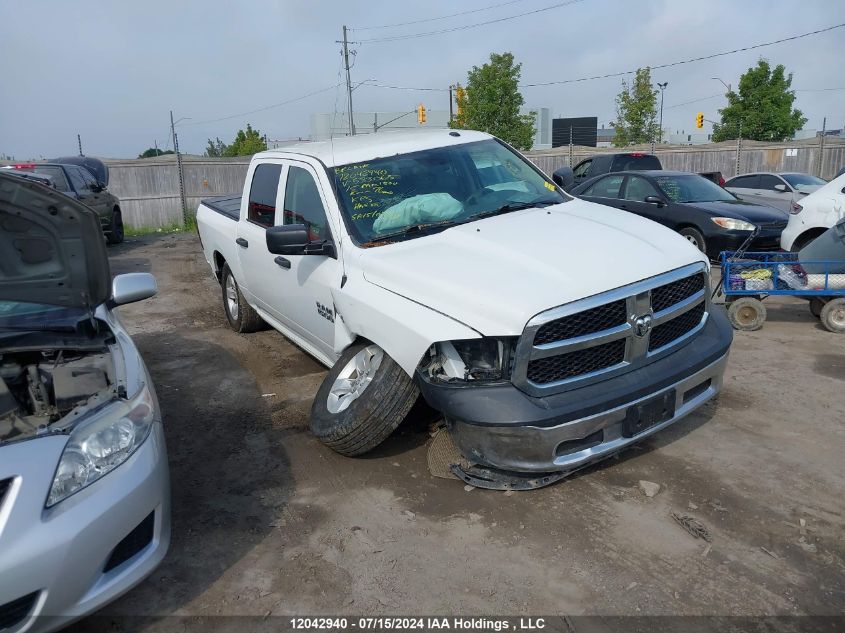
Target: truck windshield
x=402, y=195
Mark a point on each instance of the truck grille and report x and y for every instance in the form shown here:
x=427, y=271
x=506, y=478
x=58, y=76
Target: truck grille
x=611, y=333
x=586, y=322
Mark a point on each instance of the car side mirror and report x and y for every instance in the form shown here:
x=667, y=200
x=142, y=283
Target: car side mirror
x=655, y=200
x=292, y=239
x=132, y=287
x=564, y=178
x=781, y=187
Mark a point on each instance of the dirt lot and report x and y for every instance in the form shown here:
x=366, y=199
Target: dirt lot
x=267, y=521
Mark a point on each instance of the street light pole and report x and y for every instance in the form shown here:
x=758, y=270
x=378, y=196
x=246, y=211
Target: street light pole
x=662, y=87
x=728, y=86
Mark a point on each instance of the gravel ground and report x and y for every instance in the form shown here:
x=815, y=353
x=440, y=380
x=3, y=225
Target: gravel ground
x=267, y=521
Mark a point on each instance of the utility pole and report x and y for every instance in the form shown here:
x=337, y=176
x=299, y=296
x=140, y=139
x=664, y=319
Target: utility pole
x=375, y=122
x=451, y=109
x=662, y=87
x=179, y=167
x=79, y=142
x=348, y=81
x=820, y=169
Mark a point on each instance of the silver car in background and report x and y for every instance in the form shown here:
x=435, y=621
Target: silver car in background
x=84, y=480
x=781, y=191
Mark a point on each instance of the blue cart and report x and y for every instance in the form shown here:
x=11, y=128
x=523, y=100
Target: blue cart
x=748, y=278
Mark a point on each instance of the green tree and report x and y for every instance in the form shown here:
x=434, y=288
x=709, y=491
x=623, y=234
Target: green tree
x=636, y=111
x=216, y=148
x=491, y=101
x=763, y=107
x=247, y=142
x=153, y=151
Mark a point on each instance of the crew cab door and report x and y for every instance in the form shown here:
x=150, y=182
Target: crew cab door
x=258, y=213
x=306, y=281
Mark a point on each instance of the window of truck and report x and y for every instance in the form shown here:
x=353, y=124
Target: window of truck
x=440, y=186
x=303, y=204
x=261, y=209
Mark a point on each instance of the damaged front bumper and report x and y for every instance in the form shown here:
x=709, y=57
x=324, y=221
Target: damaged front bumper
x=500, y=427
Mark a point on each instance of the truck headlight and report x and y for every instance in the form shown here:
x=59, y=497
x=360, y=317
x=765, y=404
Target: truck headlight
x=99, y=445
x=732, y=224
x=477, y=359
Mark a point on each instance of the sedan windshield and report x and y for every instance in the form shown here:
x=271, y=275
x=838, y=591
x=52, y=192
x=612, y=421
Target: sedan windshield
x=692, y=188
x=404, y=195
x=803, y=181
x=23, y=316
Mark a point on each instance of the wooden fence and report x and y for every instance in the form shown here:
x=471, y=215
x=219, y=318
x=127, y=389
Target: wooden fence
x=149, y=188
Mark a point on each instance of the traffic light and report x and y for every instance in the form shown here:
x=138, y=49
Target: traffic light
x=699, y=120
x=420, y=114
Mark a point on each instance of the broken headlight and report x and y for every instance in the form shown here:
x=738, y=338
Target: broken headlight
x=477, y=359
x=101, y=444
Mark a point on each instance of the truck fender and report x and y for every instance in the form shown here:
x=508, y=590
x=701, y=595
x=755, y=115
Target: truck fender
x=403, y=328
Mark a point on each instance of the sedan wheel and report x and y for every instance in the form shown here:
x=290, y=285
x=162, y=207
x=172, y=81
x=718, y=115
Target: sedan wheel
x=694, y=237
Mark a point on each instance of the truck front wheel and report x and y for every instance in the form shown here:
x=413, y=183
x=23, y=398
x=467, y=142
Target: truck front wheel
x=240, y=314
x=362, y=400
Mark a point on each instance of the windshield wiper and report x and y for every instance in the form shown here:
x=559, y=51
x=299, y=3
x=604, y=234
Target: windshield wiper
x=414, y=228
x=511, y=206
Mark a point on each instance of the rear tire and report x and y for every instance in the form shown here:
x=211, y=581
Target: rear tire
x=747, y=314
x=694, y=237
x=115, y=235
x=363, y=398
x=833, y=315
x=241, y=316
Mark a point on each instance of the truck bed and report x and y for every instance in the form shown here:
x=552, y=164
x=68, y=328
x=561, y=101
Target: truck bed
x=229, y=206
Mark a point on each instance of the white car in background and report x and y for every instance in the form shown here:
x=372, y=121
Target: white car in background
x=782, y=191
x=815, y=214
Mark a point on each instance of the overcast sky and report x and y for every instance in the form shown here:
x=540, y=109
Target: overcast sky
x=111, y=71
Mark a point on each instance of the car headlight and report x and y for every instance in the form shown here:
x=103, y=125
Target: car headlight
x=732, y=224
x=469, y=360
x=101, y=444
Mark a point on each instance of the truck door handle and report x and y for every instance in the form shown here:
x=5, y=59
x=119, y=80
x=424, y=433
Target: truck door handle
x=242, y=242
x=282, y=261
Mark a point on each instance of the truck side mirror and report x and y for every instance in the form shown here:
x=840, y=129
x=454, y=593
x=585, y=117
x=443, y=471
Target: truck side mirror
x=564, y=178
x=292, y=239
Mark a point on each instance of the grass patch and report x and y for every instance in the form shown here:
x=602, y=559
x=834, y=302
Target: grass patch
x=175, y=227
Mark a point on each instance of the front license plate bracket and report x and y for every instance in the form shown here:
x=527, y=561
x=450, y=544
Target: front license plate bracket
x=641, y=417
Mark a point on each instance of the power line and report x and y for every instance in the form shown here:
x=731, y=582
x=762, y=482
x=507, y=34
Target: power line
x=678, y=105
x=269, y=107
x=466, y=26
x=442, y=17
x=407, y=87
x=686, y=61
x=816, y=89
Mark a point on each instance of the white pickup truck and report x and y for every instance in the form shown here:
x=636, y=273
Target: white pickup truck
x=549, y=331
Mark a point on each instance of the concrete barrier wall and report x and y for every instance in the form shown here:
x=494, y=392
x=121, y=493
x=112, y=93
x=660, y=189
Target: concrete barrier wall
x=149, y=188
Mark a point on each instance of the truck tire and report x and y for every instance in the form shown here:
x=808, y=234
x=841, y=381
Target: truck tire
x=362, y=400
x=747, y=314
x=115, y=235
x=833, y=315
x=694, y=237
x=240, y=314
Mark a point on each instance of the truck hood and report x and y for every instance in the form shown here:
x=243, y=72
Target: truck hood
x=52, y=245
x=493, y=275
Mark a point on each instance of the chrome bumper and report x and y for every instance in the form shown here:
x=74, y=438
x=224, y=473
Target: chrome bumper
x=556, y=449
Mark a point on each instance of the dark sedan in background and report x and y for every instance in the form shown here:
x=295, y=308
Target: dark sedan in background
x=710, y=217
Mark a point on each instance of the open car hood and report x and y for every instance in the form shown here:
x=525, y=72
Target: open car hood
x=52, y=247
